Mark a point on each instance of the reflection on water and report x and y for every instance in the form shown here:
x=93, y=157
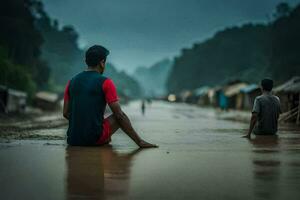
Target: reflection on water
x=272, y=167
x=97, y=173
x=199, y=158
x=266, y=166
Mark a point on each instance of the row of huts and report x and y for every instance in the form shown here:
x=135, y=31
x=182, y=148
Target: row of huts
x=15, y=101
x=234, y=95
x=240, y=95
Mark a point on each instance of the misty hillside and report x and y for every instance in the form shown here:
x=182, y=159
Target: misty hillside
x=238, y=52
x=65, y=58
x=37, y=54
x=153, y=79
x=249, y=52
x=60, y=50
x=125, y=84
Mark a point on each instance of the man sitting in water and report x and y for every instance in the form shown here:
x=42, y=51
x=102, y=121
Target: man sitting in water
x=85, y=99
x=266, y=111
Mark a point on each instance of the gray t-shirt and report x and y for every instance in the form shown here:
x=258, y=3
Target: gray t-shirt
x=267, y=107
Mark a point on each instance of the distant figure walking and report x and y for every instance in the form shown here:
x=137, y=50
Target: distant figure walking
x=265, y=112
x=85, y=99
x=143, y=107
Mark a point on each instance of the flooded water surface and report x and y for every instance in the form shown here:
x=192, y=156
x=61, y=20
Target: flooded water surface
x=200, y=157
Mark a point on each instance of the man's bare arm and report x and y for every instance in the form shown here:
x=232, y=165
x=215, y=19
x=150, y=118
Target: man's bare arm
x=66, y=109
x=252, y=124
x=126, y=126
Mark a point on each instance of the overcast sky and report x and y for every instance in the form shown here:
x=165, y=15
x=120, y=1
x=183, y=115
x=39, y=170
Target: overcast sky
x=142, y=32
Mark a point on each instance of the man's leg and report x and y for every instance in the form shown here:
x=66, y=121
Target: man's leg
x=113, y=124
x=110, y=126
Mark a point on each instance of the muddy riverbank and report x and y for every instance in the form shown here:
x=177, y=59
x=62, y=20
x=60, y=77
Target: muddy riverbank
x=32, y=126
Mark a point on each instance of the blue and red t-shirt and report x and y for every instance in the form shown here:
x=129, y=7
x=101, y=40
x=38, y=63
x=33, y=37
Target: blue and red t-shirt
x=88, y=93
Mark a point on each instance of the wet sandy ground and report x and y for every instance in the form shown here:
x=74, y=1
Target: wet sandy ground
x=200, y=157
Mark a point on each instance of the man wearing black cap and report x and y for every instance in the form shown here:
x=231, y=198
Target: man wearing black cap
x=265, y=112
x=85, y=99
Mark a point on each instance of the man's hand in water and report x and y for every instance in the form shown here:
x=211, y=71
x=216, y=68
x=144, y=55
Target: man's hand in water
x=125, y=124
x=252, y=124
x=144, y=144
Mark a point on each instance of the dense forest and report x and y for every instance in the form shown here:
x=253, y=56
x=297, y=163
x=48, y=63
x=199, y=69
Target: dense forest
x=153, y=79
x=37, y=54
x=21, y=65
x=59, y=49
x=248, y=52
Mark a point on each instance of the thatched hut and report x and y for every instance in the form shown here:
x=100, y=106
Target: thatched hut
x=46, y=100
x=201, y=96
x=289, y=94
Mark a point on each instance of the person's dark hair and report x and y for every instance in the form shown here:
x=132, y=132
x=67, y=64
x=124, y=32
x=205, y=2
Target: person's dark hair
x=95, y=54
x=267, y=84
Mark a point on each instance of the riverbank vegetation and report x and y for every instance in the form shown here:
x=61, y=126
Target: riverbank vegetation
x=37, y=53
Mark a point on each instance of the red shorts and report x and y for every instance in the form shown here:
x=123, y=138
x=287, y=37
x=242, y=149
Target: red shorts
x=106, y=133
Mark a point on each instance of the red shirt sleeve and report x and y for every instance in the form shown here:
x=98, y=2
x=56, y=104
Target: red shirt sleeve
x=110, y=91
x=67, y=92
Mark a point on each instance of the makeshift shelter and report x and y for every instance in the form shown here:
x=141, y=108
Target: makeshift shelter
x=229, y=98
x=186, y=96
x=47, y=100
x=247, y=96
x=12, y=100
x=201, y=95
x=289, y=94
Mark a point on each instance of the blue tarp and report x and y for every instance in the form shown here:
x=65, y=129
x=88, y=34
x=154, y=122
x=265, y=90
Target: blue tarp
x=223, y=101
x=249, y=88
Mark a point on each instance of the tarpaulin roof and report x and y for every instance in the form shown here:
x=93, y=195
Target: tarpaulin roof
x=234, y=89
x=249, y=88
x=47, y=96
x=17, y=93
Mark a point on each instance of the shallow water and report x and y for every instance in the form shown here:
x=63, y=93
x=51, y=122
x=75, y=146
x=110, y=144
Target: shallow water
x=200, y=157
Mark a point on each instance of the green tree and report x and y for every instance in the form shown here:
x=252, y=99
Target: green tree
x=282, y=10
x=21, y=39
x=15, y=76
x=60, y=48
x=285, y=61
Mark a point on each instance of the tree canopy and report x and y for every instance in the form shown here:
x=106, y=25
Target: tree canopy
x=21, y=42
x=37, y=54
